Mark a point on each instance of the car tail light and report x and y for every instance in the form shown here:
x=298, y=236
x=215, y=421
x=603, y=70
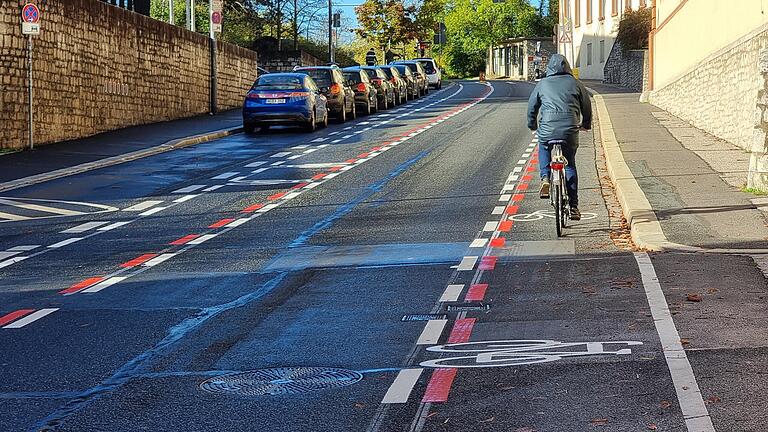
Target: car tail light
x=297, y=94
x=361, y=87
x=252, y=95
x=557, y=165
x=377, y=81
x=393, y=80
x=335, y=89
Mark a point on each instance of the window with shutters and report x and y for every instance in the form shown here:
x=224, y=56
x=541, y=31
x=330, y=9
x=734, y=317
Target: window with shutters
x=614, y=7
x=576, y=13
x=589, y=11
x=601, y=10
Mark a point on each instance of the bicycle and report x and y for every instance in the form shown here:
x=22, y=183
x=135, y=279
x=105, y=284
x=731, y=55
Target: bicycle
x=558, y=195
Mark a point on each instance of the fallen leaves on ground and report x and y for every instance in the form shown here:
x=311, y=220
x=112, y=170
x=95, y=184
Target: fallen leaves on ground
x=665, y=404
x=359, y=405
x=488, y=420
x=685, y=341
x=713, y=399
x=652, y=426
x=693, y=297
x=525, y=429
x=599, y=422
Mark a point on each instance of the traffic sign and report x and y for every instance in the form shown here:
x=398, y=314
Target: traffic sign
x=565, y=37
x=28, y=28
x=30, y=13
x=217, y=15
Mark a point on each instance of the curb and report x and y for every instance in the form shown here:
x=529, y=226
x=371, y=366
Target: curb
x=116, y=160
x=645, y=227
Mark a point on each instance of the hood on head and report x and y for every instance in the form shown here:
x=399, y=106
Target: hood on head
x=558, y=65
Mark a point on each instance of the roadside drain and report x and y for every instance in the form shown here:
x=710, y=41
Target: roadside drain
x=281, y=381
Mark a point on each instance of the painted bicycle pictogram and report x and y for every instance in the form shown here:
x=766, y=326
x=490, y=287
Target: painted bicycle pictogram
x=521, y=352
x=541, y=214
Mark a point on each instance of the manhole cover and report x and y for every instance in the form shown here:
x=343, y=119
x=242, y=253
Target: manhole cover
x=278, y=381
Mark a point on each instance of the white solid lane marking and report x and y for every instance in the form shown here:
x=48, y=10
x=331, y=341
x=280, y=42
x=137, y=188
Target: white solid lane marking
x=83, y=227
x=280, y=154
x=144, y=205
x=291, y=195
x=185, y=198
x=65, y=242
x=8, y=254
x=312, y=185
x=38, y=207
x=505, y=197
x=321, y=165
x=153, y=211
x=688, y=394
x=23, y=248
x=432, y=332
x=237, y=222
x=255, y=164
x=213, y=188
x=490, y=226
x=202, y=239
x=188, y=189
x=159, y=259
x=267, y=208
x=225, y=176
x=467, y=263
x=452, y=293
x=478, y=243
x=105, y=284
x=497, y=210
x=114, y=225
x=401, y=388
x=30, y=318
x=12, y=261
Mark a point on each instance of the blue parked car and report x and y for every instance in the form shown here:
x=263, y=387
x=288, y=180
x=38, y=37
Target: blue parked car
x=284, y=98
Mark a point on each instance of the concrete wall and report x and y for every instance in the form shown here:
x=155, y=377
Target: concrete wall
x=99, y=68
x=688, y=32
x=596, y=36
x=627, y=69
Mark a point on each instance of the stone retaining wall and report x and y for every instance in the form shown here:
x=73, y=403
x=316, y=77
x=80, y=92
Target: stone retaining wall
x=285, y=61
x=628, y=69
x=100, y=68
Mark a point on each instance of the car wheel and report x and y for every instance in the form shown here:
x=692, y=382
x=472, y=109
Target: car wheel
x=342, y=117
x=311, y=126
x=324, y=123
x=249, y=128
x=440, y=85
x=426, y=90
x=354, y=112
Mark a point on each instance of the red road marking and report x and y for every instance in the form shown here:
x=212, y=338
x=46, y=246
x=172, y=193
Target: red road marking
x=522, y=186
x=512, y=210
x=363, y=155
x=351, y=161
x=534, y=160
x=527, y=177
x=530, y=169
x=276, y=196
x=498, y=242
x=476, y=292
x=462, y=329
x=377, y=148
x=517, y=197
x=299, y=186
x=13, y=316
x=138, y=260
x=439, y=385
x=82, y=285
x=336, y=168
x=221, y=223
x=252, y=208
x=184, y=240
x=319, y=176
x=505, y=226
x=487, y=263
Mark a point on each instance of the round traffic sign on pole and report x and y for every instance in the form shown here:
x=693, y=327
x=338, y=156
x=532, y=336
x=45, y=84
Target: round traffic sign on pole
x=30, y=13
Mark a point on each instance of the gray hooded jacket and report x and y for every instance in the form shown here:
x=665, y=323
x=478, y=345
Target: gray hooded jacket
x=562, y=101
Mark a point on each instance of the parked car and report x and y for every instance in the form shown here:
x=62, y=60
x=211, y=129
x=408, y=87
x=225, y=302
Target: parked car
x=365, y=92
x=261, y=71
x=411, y=84
x=434, y=75
x=284, y=98
x=419, y=73
x=341, y=98
x=386, y=92
x=401, y=87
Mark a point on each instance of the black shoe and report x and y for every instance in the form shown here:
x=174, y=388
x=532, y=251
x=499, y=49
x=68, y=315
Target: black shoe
x=575, y=214
x=544, y=190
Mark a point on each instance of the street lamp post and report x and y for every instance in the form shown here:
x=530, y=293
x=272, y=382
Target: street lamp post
x=170, y=12
x=330, y=31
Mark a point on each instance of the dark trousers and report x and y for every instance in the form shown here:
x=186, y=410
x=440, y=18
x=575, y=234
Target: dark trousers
x=571, y=176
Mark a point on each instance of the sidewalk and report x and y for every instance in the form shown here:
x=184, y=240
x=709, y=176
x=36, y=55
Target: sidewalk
x=109, y=148
x=691, y=179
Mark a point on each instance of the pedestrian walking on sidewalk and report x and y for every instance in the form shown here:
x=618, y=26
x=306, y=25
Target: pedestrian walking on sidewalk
x=370, y=58
x=558, y=108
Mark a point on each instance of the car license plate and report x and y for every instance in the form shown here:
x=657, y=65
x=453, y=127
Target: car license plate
x=275, y=101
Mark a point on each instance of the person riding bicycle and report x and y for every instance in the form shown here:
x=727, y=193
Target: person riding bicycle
x=563, y=103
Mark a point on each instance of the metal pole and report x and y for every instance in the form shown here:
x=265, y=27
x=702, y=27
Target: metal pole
x=214, y=66
x=193, y=25
x=170, y=12
x=31, y=115
x=330, y=32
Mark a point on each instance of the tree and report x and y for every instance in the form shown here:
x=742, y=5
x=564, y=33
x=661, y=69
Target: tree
x=385, y=23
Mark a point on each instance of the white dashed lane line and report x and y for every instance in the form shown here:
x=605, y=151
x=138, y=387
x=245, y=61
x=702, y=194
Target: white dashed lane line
x=147, y=204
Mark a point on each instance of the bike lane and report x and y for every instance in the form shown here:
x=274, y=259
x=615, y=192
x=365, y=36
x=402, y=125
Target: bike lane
x=548, y=334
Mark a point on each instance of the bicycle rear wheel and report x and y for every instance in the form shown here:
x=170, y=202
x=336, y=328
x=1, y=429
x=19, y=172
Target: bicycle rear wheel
x=565, y=211
x=557, y=203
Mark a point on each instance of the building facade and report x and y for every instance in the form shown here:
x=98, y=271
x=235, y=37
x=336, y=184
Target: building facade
x=520, y=58
x=594, y=25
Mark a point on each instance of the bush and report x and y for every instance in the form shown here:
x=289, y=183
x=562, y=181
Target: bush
x=634, y=28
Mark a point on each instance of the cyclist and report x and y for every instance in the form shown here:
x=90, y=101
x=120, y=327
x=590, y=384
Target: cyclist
x=564, y=106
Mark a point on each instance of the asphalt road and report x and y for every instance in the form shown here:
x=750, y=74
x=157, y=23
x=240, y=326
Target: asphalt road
x=394, y=273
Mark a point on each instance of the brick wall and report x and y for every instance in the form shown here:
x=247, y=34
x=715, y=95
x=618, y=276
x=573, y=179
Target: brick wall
x=628, y=69
x=720, y=94
x=285, y=61
x=99, y=68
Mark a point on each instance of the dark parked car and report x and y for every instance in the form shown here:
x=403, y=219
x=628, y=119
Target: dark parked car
x=365, y=92
x=411, y=84
x=419, y=72
x=386, y=93
x=284, y=98
x=401, y=86
x=341, y=98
